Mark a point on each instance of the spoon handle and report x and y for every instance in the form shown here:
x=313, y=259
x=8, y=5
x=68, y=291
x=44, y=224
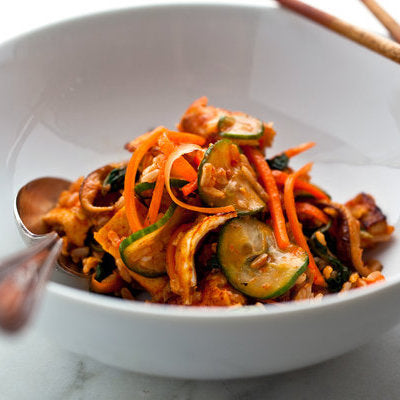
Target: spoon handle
x=22, y=280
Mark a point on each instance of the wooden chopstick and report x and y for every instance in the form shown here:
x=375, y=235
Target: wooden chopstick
x=385, y=47
x=383, y=16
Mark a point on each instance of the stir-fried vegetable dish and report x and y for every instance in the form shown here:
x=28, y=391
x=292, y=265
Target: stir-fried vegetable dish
x=204, y=216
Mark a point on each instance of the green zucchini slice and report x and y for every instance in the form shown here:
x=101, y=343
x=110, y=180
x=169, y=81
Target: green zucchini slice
x=243, y=242
x=232, y=179
x=240, y=126
x=144, y=251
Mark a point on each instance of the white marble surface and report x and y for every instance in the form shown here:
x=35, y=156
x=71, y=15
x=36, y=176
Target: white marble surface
x=32, y=368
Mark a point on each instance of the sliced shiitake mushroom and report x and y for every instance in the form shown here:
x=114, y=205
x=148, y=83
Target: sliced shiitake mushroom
x=93, y=196
x=347, y=235
x=374, y=226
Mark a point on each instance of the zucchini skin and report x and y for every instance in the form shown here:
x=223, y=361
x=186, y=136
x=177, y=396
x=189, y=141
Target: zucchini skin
x=205, y=160
x=291, y=283
x=228, y=271
x=239, y=136
x=139, y=235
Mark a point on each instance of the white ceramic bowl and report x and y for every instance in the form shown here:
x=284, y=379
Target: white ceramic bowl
x=74, y=93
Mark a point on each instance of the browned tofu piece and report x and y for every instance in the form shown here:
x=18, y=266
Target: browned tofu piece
x=373, y=223
x=202, y=119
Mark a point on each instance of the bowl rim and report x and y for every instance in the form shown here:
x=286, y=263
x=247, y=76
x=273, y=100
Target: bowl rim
x=94, y=300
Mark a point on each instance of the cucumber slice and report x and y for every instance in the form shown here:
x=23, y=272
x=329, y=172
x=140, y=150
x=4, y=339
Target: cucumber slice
x=242, y=241
x=144, y=251
x=240, y=126
x=237, y=189
x=143, y=186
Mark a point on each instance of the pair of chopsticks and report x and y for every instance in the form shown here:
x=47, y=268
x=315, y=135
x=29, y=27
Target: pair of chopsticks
x=379, y=44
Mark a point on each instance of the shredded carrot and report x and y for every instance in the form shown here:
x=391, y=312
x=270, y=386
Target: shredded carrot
x=184, y=137
x=110, y=284
x=198, y=158
x=129, y=193
x=294, y=151
x=184, y=149
x=135, y=143
x=268, y=136
x=295, y=225
x=374, y=277
x=274, y=200
x=311, y=211
x=189, y=188
x=157, y=196
x=177, y=137
x=170, y=257
x=181, y=168
x=280, y=178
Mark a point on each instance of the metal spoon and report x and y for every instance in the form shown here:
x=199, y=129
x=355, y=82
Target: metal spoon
x=23, y=275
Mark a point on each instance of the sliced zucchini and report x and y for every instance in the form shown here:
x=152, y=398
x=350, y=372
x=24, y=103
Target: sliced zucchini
x=240, y=126
x=143, y=186
x=252, y=261
x=231, y=186
x=144, y=251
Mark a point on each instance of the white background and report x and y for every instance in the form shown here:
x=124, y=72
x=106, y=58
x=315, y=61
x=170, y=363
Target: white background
x=31, y=368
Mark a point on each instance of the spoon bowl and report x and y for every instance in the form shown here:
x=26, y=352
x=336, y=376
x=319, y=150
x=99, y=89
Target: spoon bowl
x=33, y=201
x=23, y=275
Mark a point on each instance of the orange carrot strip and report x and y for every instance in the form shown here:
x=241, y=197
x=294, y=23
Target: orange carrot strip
x=135, y=143
x=170, y=258
x=274, y=200
x=129, y=193
x=181, y=168
x=110, y=284
x=189, y=188
x=311, y=211
x=268, y=136
x=184, y=149
x=280, y=178
x=184, y=137
x=295, y=225
x=177, y=137
x=294, y=151
x=157, y=196
x=198, y=158
x=374, y=277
